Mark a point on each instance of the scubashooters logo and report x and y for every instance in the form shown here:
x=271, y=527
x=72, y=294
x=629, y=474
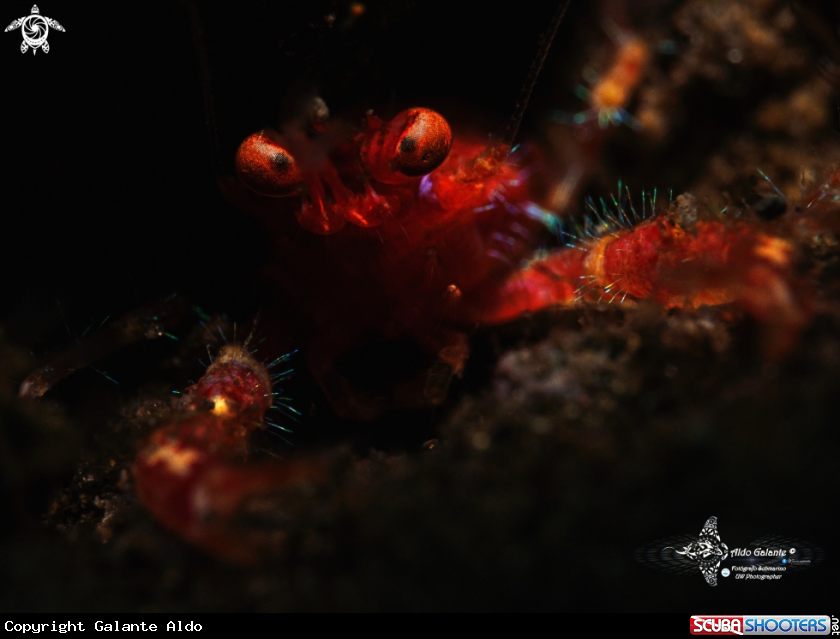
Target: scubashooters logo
x=35, y=29
x=766, y=559
x=760, y=625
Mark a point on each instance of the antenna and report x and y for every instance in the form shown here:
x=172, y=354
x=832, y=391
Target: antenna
x=536, y=66
x=206, y=87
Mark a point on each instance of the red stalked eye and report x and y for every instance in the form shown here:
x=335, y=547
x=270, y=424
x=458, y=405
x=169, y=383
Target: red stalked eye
x=266, y=167
x=424, y=142
x=414, y=143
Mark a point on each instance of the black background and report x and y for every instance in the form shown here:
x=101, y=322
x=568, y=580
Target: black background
x=107, y=188
x=108, y=176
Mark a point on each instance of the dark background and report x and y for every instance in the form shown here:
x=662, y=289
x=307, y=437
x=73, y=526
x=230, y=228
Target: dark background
x=116, y=137
x=108, y=196
x=108, y=183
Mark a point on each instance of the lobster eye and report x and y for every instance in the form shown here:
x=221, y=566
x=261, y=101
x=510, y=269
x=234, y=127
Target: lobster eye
x=424, y=143
x=414, y=143
x=266, y=167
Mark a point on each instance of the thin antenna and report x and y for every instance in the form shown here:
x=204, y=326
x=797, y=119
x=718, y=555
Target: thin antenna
x=206, y=87
x=536, y=66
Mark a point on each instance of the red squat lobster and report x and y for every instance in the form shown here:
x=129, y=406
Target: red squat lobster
x=402, y=247
x=400, y=231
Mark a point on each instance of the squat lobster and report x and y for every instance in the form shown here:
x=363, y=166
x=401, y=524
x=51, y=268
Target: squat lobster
x=403, y=232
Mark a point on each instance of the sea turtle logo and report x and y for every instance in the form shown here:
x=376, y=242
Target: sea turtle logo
x=35, y=29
